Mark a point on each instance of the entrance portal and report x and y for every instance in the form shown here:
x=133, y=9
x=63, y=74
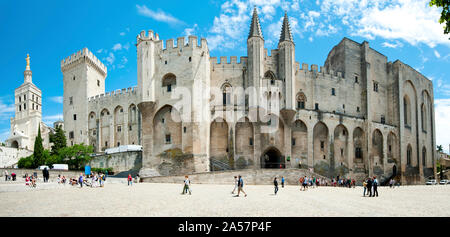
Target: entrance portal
x=272, y=159
x=15, y=144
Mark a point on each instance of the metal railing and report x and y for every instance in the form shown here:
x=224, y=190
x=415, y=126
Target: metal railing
x=217, y=165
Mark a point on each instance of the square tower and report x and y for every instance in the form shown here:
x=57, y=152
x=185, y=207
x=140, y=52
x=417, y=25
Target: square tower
x=83, y=77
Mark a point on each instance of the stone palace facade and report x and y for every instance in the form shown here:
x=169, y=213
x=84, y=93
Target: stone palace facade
x=357, y=115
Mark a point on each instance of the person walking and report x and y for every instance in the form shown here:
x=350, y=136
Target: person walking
x=369, y=187
x=80, y=180
x=130, y=180
x=240, y=186
x=186, y=186
x=275, y=183
x=375, y=186
x=235, y=184
x=391, y=182
x=282, y=181
x=6, y=175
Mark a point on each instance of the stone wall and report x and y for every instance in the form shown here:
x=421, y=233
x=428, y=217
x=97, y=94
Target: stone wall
x=53, y=173
x=10, y=156
x=250, y=176
x=122, y=162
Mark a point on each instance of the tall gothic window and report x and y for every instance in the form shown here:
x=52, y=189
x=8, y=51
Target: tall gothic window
x=408, y=155
x=301, y=99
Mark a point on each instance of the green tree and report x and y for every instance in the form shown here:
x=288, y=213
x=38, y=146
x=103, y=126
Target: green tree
x=445, y=14
x=26, y=162
x=76, y=156
x=440, y=148
x=58, y=139
x=38, y=154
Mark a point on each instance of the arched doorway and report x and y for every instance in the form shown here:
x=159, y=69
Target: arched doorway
x=272, y=159
x=15, y=144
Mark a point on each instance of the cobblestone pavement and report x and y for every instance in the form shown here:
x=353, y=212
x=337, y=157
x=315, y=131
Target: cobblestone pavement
x=148, y=199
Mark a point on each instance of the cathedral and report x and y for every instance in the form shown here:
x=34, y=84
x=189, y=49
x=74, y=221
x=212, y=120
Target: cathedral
x=358, y=115
x=28, y=115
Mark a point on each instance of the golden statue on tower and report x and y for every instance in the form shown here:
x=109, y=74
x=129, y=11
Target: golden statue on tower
x=28, y=62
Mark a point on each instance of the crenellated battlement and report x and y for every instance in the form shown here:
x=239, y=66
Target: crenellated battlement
x=320, y=72
x=143, y=36
x=232, y=62
x=170, y=43
x=79, y=57
x=119, y=92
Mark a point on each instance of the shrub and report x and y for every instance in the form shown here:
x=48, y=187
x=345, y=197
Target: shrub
x=26, y=163
x=102, y=170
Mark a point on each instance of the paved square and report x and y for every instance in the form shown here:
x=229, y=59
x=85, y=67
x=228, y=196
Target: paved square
x=149, y=199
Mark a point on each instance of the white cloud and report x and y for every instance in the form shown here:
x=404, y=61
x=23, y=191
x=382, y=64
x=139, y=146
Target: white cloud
x=123, y=61
x=437, y=54
x=396, y=21
x=111, y=58
x=392, y=45
x=410, y=20
x=228, y=27
x=6, y=110
x=117, y=46
x=4, y=134
x=158, y=16
x=190, y=31
x=57, y=99
x=442, y=116
x=50, y=119
x=126, y=46
x=122, y=33
x=100, y=50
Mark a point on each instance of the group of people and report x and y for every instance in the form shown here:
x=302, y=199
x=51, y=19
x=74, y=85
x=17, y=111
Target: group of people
x=371, y=186
x=30, y=181
x=61, y=179
x=10, y=177
x=343, y=182
x=239, y=185
x=313, y=182
x=93, y=180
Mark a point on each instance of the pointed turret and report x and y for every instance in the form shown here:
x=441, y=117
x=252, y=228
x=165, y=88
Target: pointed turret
x=286, y=30
x=255, y=28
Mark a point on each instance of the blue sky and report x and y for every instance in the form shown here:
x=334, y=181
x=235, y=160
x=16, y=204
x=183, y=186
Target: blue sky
x=49, y=31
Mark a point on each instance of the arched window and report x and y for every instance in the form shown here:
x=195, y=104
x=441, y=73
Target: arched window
x=301, y=99
x=423, y=112
x=408, y=155
x=226, y=94
x=270, y=75
x=407, y=111
x=424, y=156
x=169, y=81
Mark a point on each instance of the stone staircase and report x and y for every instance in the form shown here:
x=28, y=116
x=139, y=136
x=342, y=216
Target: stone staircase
x=250, y=176
x=217, y=165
